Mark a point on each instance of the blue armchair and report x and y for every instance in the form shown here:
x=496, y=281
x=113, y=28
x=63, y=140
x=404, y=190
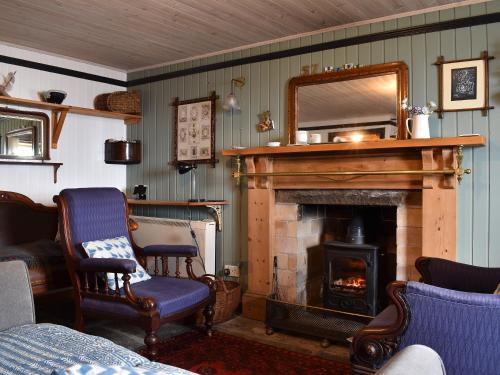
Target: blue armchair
x=463, y=328
x=458, y=276
x=93, y=214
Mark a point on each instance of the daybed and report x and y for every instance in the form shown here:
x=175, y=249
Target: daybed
x=29, y=348
x=27, y=232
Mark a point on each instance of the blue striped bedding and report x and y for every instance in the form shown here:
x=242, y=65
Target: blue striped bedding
x=41, y=348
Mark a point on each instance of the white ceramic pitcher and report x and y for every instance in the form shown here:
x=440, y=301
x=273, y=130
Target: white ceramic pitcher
x=420, y=126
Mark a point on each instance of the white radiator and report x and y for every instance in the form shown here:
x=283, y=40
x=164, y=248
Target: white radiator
x=156, y=231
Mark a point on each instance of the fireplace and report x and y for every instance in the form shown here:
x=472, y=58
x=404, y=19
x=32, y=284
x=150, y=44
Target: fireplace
x=333, y=258
x=351, y=277
x=413, y=176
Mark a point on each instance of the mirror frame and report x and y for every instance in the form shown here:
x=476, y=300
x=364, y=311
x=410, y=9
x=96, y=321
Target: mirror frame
x=45, y=123
x=399, y=68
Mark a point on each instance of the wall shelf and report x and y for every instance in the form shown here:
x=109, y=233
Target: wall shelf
x=214, y=206
x=59, y=112
x=55, y=166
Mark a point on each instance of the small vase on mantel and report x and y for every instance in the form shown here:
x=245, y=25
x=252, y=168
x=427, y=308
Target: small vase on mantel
x=419, y=126
x=419, y=117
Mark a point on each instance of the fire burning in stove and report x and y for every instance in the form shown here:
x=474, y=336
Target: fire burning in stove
x=353, y=284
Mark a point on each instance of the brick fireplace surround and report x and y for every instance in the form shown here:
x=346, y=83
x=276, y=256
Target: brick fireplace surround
x=305, y=220
x=277, y=226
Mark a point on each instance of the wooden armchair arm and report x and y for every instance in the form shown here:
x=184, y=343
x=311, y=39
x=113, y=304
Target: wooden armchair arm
x=161, y=253
x=169, y=250
x=209, y=280
x=91, y=267
x=107, y=265
x=379, y=340
x=146, y=304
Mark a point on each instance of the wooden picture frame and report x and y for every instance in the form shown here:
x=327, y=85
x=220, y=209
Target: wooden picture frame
x=463, y=85
x=194, y=130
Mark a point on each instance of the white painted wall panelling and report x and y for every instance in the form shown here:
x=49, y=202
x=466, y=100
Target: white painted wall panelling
x=81, y=145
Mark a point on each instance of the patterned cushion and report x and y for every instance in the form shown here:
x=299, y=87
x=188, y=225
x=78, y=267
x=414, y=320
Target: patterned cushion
x=87, y=369
x=497, y=291
x=118, y=247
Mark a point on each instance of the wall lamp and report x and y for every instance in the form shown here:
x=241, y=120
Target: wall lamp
x=231, y=102
x=184, y=168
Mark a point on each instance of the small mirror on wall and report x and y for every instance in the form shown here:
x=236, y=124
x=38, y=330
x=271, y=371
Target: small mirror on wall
x=23, y=135
x=352, y=105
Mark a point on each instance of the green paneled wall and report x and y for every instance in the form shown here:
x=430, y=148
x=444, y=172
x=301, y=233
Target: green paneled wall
x=479, y=195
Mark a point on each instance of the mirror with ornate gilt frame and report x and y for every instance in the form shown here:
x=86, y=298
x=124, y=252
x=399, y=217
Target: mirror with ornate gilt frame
x=23, y=135
x=358, y=104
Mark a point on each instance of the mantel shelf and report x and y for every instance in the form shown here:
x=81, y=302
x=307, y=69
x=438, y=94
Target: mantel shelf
x=59, y=112
x=388, y=145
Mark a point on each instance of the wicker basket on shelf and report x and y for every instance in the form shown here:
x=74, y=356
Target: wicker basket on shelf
x=228, y=298
x=101, y=102
x=120, y=101
x=125, y=102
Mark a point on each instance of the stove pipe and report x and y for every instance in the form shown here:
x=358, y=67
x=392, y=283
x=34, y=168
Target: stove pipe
x=356, y=231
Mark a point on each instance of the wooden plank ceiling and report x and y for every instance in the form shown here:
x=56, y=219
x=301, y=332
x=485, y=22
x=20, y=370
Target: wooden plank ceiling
x=131, y=34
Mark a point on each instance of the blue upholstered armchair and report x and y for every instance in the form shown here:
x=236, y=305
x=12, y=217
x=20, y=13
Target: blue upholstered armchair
x=458, y=276
x=97, y=214
x=462, y=327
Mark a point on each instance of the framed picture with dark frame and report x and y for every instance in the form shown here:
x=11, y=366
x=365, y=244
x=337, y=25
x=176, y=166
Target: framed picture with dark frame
x=194, y=130
x=463, y=85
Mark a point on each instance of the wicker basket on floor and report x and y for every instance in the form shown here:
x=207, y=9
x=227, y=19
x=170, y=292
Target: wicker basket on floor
x=228, y=298
x=125, y=102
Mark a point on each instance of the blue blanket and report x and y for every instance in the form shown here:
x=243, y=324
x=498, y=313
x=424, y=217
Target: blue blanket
x=41, y=348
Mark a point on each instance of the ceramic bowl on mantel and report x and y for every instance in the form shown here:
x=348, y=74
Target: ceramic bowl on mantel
x=54, y=96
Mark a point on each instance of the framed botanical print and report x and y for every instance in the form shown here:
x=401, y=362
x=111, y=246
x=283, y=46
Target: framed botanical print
x=194, y=131
x=463, y=85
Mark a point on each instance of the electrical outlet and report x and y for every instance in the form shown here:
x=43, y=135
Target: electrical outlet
x=234, y=271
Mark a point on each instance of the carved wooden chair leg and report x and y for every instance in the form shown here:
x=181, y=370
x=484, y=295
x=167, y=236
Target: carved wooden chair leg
x=208, y=313
x=151, y=341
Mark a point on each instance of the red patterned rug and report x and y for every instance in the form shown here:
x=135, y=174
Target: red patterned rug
x=223, y=354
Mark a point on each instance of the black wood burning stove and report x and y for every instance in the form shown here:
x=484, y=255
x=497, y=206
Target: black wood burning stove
x=351, y=276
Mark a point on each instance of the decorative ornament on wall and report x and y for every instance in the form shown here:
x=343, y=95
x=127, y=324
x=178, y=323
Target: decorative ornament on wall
x=266, y=123
x=8, y=83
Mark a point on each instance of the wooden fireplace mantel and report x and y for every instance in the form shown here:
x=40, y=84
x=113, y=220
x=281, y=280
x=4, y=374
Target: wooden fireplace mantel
x=431, y=167
x=387, y=145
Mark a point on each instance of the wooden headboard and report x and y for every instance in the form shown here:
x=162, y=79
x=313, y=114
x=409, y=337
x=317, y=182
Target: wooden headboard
x=22, y=220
